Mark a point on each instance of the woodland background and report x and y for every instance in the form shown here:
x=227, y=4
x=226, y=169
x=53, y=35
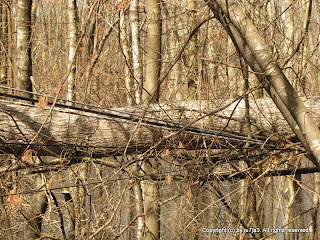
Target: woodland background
x=204, y=145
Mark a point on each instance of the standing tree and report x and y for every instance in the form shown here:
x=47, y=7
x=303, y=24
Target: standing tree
x=150, y=94
x=191, y=51
x=4, y=39
x=23, y=53
x=124, y=41
x=34, y=205
x=136, y=52
x=72, y=29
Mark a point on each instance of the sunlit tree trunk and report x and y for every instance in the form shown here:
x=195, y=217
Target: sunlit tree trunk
x=289, y=198
x=153, y=53
x=150, y=189
x=124, y=40
x=176, y=85
x=35, y=205
x=136, y=50
x=23, y=51
x=72, y=29
x=139, y=209
x=90, y=45
x=4, y=38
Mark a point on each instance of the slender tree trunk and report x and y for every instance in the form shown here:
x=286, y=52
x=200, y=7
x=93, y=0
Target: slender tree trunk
x=136, y=52
x=150, y=193
x=82, y=213
x=150, y=189
x=10, y=47
x=23, y=52
x=4, y=38
x=124, y=40
x=139, y=209
x=89, y=47
x=69, y=203
x=35, y=208
x=314, y=231
x=192, y=51
x=153, y=53
x=35, y=204
x=72, y=29
x=289, y=198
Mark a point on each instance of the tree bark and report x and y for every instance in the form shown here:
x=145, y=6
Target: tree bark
x=139, y=209
x=136, y=52
x=153, y=53
x=124, y=41
x=150, y=94
x=72, y=29
x=192, y=52
x=23, y=60
x=35, y=207
x=4, y=39
x=78, y=133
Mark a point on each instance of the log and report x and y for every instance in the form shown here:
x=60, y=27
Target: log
x=97, y=133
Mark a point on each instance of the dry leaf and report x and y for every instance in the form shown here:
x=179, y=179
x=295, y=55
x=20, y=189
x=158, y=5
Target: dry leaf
x=43, y=102
x=27, y=156
x=14, y=201
x=168, y=179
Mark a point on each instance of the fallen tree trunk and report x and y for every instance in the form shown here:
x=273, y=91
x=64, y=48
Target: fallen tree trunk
x=70, y=132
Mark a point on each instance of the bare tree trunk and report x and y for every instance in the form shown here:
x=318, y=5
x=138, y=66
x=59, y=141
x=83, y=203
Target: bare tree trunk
x=72, y=29
x=191, y=52
x=150, y=193
x=69, y=203
x=35, y=204
x=259, y=57
x=139, y=209
x=23, y=52
x=289, y=198
x=35, y=208
x=90, y=46
x=153, y=53
x=314, y=231
x=124, y=40
x=82, y=212
x=136, y=51
x=4, y=38
x=150, y=94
